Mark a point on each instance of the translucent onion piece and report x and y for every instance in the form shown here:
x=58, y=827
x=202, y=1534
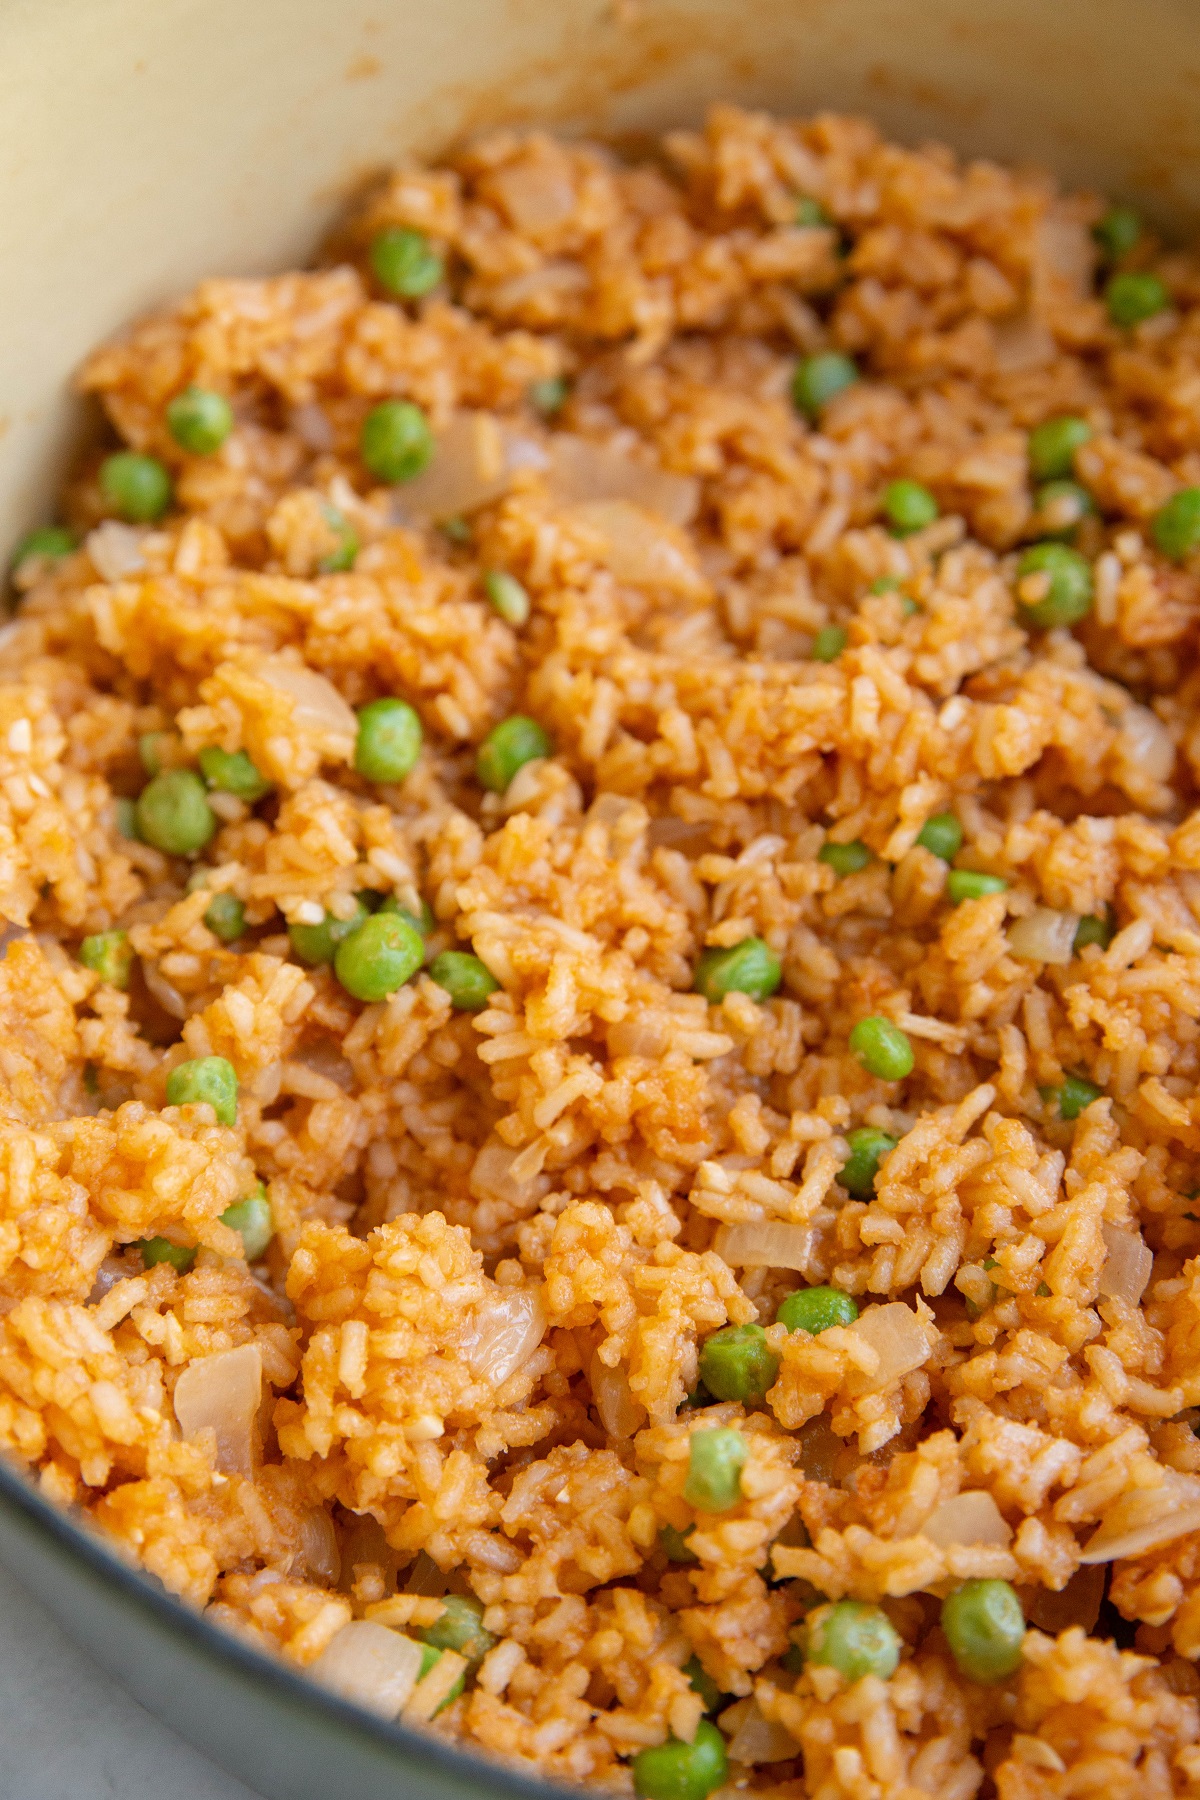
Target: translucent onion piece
x=319, y=1546
x=1076, y=1604
x=644, y=1035
x=620, y=1414
x=370, y=1665
x=897, y=1336
x=1145, y=745
x=116, y=550
x=971, y=1518
x=507, y=1333
x=1044, y=936
x=1064, y=255
x=759, y=1740
x=538, y=194
x=582, y=472
x=640, y=548
x=221, y=1393
x=769, y=1244
x=1127, y=1266
x=316, y=704
x=491, y=1178
x=475, y=459
x=1145, y=1518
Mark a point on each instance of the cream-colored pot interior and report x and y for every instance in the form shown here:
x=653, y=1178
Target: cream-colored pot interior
x=143, y=145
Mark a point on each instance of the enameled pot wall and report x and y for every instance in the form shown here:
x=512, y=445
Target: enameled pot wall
x=144, y=146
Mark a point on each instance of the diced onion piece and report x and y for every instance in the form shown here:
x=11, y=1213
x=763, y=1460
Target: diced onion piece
x=317, y=706
x=491, y=1178
x=507, y=1333
x=1145, y=747
x=370, y=1665
x=116, y=550
x=474, y=461
x=1064, y=254
x=639, y=547
x=319, y=1546
x=1127, y=1266
x=583, y=472
x=898, y=1338
x=221, y=1393
x=759, y=1740
x=620, y=1414
x=1044, y=936
x=1145, y=1518
x=971, y=1518
x=766, y=1244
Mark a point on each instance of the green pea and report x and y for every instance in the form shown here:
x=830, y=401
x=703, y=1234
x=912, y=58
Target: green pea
x=810, y=213
x=818, y=379
x=1135, y=296
x=460, y=1628
x=942, y=835
x=868, y=1147
x=507, y=596
x=199, y=420
x=1053, y=443
x=679, y=1771
x=985, y=1628
x=909, y=507
x=125, y=817
x=853, y=1638
x=253, y=1221
x=207, y=1079
x=750, y=967
x=50, y=541
x=316, y=944
x=467, y=980
x=1068, y=596
x=430, y=1658
x=395, y=442
x=1117, y=232
x=345, y=555
x=110, y=955
x=1093, y=930
x=885, y=584
x=404, y=263
x=507, y=748
x=702, y=1683
x=816, y=1309
x=1073, y=1097
x=225, y=917
x=844, y=859
x=736, y=1363
x=971, y=884
x=173, y=813
x=549, y=396
x=1175, y=527
x=138, y=488
x=674, y=1544
x=232, y=772
x=161, y=1249
x=379, y=957
x=714, y=1477
x=828, y=644
x=882, y=1049
x=389, y=740
x=1061, y=506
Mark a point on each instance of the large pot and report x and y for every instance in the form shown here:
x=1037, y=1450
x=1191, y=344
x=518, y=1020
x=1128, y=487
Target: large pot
x=143, y=147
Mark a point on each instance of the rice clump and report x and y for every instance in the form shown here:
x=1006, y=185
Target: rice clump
x=403, y=1351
